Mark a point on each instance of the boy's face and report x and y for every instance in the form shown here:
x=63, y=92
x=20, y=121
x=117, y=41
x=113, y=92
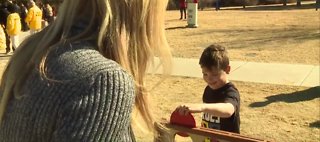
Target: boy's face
x=215, y=78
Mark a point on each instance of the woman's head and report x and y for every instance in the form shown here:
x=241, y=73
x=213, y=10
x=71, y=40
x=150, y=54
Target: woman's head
x=129, y=32
x=122, y=24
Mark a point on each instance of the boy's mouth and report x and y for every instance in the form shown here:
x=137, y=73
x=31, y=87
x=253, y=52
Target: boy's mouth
x=213, y=84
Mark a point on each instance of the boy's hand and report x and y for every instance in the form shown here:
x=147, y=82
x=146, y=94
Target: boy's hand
x=190, y=108
x=183, y=110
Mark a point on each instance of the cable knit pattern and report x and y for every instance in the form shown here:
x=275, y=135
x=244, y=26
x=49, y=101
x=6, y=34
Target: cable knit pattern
x=89, y=100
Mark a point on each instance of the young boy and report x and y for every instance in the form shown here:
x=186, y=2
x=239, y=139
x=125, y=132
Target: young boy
x=221, y=99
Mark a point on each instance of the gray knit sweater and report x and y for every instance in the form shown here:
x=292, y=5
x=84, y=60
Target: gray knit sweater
x=91, y=101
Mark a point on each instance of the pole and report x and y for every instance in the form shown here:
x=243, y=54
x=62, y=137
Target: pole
x=192, y=8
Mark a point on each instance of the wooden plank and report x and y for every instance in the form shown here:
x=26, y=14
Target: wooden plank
x=199, y=134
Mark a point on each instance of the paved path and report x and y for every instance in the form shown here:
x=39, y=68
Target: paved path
x=272, y=73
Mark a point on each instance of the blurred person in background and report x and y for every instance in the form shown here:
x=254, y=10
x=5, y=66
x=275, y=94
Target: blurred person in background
x=23, y=15
x=48, y=13
x=2, y=38
x=183, y=6
x=4, y=13
x=13, y=27
x=34, y=18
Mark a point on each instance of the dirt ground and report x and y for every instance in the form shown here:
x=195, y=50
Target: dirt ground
x=263, y=34
x=269, y=34
x=271, y=112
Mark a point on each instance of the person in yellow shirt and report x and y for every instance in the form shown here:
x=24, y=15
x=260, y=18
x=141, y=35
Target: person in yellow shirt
x=34, y=18
x=2, y=38
x=13, y=27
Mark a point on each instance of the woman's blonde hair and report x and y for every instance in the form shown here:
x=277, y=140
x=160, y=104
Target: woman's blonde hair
x=131, y=32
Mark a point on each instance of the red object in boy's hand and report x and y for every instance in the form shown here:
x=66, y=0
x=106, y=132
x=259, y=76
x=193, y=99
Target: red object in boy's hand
x=183, y=120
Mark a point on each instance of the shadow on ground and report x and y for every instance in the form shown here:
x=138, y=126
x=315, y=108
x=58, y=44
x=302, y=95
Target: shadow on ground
x=179, y=27
x=305, y=95
x=315, y=124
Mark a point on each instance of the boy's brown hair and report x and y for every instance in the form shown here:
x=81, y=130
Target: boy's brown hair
x=214, y=56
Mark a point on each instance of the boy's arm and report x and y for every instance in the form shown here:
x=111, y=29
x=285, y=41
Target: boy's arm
x=223, y=110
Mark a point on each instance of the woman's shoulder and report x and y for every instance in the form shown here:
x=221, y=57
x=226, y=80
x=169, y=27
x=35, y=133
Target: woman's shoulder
x=80, y=60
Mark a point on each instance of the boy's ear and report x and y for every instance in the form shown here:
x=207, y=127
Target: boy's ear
x=228, y=68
